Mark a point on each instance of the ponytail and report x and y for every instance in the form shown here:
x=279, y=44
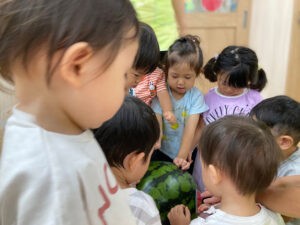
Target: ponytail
x=260, y=82
x=208, y=70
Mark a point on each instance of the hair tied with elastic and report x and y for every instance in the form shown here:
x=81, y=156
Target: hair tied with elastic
x=234, y=51
x=216, y=57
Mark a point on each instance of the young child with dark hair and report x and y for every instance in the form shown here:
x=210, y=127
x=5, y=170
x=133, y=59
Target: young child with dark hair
x=239, y=81
x=183, y=64
x=128, y=141
x=145, y=80
x=63, y=58
x=282, y=115
x=239, y=158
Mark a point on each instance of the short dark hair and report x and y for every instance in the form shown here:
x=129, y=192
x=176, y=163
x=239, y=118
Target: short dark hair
x=244, y=149
x=147, y=56
x=240, y=64
x=281, y=113
x=28, y=25
x=185, y=49
x=134, y=128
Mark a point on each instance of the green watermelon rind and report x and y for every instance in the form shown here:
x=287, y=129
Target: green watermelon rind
x=165, y=174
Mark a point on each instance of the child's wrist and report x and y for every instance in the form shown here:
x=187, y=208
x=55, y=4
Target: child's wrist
x=167, y=111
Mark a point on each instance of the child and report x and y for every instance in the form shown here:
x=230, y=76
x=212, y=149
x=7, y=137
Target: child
x=252, y=148
x=183, y=64
x=145, y=80
x=128, y=141
x=64, y=59
x=7, y=101
x=283, y=196
x=282, y=115
x=239, y=82
x=146, y=59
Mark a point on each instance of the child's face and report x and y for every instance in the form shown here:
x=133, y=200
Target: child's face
x=181, y=78
x=101, y=93
x=226, y=90
x=134, y=77
x=142, y=167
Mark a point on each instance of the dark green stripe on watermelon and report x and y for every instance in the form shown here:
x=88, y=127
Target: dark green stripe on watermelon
x=169, y=186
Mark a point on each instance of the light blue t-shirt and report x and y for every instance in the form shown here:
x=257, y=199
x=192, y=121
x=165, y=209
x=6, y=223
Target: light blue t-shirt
x=291, y=167
x=191, y=103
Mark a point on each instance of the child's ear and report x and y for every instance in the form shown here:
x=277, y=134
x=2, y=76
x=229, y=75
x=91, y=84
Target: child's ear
x=215, y=174
x=73, y=61
x=133, y=159
x=285, y=142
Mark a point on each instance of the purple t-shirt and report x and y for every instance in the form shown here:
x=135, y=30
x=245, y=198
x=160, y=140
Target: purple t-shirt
x=221, y=105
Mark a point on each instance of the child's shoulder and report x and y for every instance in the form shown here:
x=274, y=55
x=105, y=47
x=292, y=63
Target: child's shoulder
x=274, y=217
x=194, y=91
x=253, y=92
x=211, y=91
x=141, y=200
x=157, y=72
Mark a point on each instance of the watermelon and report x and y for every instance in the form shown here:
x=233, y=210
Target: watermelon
x=169, y=186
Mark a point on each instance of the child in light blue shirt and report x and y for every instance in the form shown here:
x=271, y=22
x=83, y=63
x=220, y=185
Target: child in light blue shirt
x=183, y=64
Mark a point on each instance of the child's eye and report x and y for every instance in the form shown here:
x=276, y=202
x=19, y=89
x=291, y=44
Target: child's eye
x=187, y=78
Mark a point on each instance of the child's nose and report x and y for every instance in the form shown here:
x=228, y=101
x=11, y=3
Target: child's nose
x=180, y=81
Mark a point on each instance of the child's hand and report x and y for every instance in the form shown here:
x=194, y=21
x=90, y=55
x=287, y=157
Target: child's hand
x=189, y=158
x=170, y=117
x=179, y=215
x=181, y=163
x=207, y=200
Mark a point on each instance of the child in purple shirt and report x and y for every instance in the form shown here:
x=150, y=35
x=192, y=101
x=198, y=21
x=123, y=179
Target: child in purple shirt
x=239, y=82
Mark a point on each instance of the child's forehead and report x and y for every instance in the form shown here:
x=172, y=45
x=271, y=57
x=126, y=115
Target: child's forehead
x=181, y=66
x=138, y=72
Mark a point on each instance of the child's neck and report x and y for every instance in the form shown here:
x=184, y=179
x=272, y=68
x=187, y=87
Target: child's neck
x=119, y=175
x=176, y=95
x=236, y=204
x=288, y=152
x=239, y=205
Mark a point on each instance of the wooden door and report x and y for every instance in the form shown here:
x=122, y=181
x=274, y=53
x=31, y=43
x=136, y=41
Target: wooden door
x=218, y=23
x=293, y=77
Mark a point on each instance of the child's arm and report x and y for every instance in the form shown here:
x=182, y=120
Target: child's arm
x=187, y=142
x=166, y=105
x=179, y=215
x=159, y=119
x=283, y=196
x=178, y=6
x=198, y=132
x=164, y=98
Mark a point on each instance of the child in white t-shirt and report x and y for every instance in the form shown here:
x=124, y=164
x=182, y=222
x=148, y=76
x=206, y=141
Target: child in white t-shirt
x=239, y=158
x=68, y=63
x=128, y=141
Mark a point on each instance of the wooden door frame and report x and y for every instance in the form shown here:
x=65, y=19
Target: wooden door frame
x=292, y=80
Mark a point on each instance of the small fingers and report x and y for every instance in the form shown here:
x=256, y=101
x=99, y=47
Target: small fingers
x=203, y=207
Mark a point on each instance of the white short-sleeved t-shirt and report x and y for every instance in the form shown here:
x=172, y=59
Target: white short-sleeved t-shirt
x=55, y=179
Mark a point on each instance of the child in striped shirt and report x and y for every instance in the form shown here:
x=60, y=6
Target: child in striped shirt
x=145, y=79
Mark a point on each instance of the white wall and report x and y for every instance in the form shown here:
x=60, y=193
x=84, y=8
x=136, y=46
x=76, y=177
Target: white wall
x=270, y=34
